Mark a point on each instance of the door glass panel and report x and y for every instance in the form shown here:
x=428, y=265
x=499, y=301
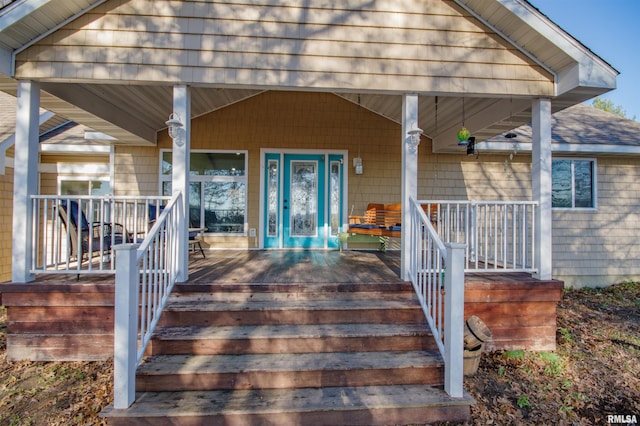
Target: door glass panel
x=334, y=202
x=272, y=198
x=304, y=196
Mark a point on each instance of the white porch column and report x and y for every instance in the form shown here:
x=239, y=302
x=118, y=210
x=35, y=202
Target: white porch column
x=541, y=185
x=25, y=178
x=409, y=177
x=180, y=173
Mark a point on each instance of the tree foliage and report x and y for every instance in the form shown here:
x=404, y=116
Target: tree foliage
x=609, y=106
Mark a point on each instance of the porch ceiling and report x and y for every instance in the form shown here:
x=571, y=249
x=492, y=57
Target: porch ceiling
x=133, y=114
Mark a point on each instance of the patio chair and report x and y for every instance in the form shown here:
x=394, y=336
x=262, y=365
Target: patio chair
x=94, y=236
x=195, y=239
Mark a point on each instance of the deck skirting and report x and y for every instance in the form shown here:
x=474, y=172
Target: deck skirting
x=520, y=311
x=68, y=320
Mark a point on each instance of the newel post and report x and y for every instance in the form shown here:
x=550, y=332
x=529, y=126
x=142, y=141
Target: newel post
x=125, y=332
x=454, y=320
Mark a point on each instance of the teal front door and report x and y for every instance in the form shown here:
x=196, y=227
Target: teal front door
x=303, y=200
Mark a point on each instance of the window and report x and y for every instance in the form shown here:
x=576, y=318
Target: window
x=218, y=189
x=573, y=183
x=81, y=186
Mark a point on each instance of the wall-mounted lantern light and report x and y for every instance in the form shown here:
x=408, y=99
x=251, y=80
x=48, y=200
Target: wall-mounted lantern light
x=174, y=125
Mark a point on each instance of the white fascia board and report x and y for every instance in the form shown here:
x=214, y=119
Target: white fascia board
x=74, y=149
x=493, y=28
x=18, y=11
x=6, y=59
x=602, y=75
x=602, y=149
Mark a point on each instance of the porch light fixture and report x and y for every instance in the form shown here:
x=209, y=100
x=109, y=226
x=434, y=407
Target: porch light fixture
x=414, y=139
x=174, y=125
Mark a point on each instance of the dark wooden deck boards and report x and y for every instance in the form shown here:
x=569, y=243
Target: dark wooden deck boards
x=261, y=267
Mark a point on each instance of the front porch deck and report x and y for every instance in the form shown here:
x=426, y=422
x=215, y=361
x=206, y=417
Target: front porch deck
x=65, y=317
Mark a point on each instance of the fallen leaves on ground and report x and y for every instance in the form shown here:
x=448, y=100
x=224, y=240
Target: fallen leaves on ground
x=594, y=372
x=52, y=393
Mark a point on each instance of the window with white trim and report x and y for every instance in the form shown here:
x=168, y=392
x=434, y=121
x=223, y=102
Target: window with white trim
x=218, y=189
x=83, y=186
x=573, y=183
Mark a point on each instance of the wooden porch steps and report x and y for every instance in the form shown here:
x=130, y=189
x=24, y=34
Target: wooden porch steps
x=292, y=354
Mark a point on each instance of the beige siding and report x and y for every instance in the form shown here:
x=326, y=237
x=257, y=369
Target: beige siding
x=430, y=45
x=601, y=246
x=136, y=171
x=6, y=222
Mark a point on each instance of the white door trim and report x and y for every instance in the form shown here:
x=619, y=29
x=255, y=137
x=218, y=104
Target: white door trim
x=282, y=152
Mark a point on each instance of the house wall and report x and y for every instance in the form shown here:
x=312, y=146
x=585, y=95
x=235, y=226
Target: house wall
x=590, y=247
x=600, y=247
x=433, y=45
x=6, y=222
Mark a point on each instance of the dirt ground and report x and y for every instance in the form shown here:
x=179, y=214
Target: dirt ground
x=594, y=373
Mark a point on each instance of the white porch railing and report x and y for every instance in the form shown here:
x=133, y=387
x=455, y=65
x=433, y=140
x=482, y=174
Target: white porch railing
x=76, y=234
x=144, y=279
x=499, y=235
x=437, y=274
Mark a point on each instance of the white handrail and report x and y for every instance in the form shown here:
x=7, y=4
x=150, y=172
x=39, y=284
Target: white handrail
x=76, y=234
x=500, y=235
x=436, y=271
x=145, y=276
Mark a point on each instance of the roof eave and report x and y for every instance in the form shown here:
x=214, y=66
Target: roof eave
x=588, y=73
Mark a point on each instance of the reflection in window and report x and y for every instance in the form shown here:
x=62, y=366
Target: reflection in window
x=217, y=190
x=85, y=187
x=573, y=183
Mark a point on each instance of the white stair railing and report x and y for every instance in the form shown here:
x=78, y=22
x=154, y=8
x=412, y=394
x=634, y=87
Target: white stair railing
x=437, y=275
x=145, y=276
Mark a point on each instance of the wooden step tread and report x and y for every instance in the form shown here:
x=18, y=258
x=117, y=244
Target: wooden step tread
x=291, y=331
x=269, y=287
x=290, y=305
x=289, y=338
x=225, y=364
x=400, y=404
x=240, y=297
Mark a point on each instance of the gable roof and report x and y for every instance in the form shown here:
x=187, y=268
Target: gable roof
x=579, y=129
x=576, y=73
